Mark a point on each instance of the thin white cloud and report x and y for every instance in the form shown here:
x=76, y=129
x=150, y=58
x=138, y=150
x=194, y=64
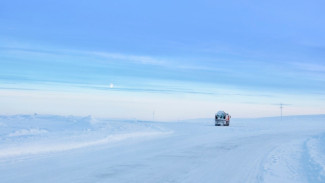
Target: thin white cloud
x=133, y=58
x=28, y=50
x=310, y=67
x=202, y=68
x=137, y=59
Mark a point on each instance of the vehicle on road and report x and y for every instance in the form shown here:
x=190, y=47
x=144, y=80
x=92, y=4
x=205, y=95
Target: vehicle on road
x=222, y=118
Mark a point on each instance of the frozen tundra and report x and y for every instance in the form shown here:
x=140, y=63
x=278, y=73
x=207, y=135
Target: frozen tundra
x=222, y=118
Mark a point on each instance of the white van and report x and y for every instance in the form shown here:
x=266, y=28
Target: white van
x=222, y=118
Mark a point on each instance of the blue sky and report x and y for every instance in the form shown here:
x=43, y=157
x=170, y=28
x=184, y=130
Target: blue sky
x=184, y=59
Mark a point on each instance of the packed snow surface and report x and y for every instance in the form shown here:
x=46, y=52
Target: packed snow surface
x=49, y=148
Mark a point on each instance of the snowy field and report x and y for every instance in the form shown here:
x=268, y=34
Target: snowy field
x=48, y=148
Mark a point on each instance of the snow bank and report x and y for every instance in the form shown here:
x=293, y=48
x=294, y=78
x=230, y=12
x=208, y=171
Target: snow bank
x=32, y=149
x=34, y=134
x=25, y=132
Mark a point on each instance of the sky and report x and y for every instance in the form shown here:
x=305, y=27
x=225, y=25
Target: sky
x=162, y=60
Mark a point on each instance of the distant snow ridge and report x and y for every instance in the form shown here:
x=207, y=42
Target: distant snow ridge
x=30, y=149
x=34, y=134
x=25, y=132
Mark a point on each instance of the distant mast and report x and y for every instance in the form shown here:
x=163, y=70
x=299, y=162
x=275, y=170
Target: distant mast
x=281, y=107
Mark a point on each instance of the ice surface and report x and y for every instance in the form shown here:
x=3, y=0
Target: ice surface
x=49, y=148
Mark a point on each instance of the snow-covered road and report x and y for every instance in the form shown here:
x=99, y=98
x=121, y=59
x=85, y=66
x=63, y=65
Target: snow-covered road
x=250, y=150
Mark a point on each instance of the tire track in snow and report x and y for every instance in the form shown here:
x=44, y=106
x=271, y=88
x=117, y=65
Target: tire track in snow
x=314, y=159
x=283, y=162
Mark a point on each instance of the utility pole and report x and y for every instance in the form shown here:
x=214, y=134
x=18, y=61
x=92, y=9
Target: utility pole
x=281, y=107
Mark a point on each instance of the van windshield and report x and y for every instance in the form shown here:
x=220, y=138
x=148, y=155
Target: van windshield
x=221, y=114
